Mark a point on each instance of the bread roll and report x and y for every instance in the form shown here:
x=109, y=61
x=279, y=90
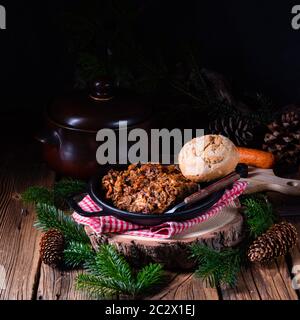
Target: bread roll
x=208, y=158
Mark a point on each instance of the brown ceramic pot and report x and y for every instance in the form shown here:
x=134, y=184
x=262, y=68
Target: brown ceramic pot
x=71, y=123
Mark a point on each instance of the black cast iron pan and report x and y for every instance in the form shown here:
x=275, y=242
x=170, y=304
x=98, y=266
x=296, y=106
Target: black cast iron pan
x=98, y=196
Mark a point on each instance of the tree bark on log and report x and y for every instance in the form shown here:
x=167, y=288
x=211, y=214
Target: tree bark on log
x=224, y=230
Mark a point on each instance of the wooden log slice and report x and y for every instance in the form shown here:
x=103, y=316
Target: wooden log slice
x=223, y=230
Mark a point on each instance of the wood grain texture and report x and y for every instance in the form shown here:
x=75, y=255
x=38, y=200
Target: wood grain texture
x=185, y=286
x=295, y=258
x=273, y=281
x=265, y=180
x=19, y=241
x=267, y=282
x=26, y=277
x=56, y=284
x=289, y=209
x=245, y=289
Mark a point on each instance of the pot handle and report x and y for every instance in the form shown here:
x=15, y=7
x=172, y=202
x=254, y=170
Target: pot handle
x=46, y=137
x=75, y=206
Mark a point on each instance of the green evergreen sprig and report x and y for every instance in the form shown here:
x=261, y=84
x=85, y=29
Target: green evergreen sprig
x=67, y=187
x=259, y=214
x=55, y=196
x=38, y=194
x=95, y=286
x=110, y=274
x=49, y=217
x=262, y=106
x=223, y=267
x=217, y=267
x=76, y=254
x=108, y=271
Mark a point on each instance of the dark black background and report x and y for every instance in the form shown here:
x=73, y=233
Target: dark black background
x=251, y=42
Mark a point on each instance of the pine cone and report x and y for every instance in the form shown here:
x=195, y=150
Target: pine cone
x=239, y=130
x=276, y=242
x=283, y=140
x=52, y=247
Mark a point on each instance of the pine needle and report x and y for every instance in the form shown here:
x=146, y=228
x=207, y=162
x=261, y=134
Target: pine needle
x=95, y=286
x=259, y=214
x=49, y=217
x=38, y=194
x=217, y=267
x=66, y=187
x=77, y=254
x=55, y=196
x=222, y=267
x=111, y=265
x=109, y=273
x=149, y=276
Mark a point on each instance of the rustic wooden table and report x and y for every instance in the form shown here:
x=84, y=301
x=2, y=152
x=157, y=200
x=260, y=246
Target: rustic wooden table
x=28, y=278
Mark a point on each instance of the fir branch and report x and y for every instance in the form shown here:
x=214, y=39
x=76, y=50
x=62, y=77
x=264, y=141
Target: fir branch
x=95, y=286
x=55, y=196
x=262, y=106
x=38, y=194
x=77, y=254
x=218, y=109
x=49, y=217
x=223, y=267
x=259, y=214
x=88, y=68
x=149, y=276
x=67, y=187
x=111, y=265
x=110, y=273
x=217, y=267
x=200, y=80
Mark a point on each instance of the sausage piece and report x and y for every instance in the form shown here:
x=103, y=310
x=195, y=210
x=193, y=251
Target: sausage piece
x=256, y=158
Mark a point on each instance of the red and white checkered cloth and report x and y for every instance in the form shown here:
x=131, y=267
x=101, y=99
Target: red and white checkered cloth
x=109, y=224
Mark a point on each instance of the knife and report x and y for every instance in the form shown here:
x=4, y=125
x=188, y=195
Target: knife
x=214, y=187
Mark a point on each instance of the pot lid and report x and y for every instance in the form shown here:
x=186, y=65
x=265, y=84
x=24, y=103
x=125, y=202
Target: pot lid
x=98, y=109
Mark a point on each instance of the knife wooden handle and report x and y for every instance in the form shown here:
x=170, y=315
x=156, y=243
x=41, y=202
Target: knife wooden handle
x=219, y=185
x=260, y=180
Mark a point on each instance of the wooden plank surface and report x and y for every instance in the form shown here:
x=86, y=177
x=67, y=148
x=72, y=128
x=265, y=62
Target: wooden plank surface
x=55, y=284
x=19, y=242
x=245, y=289
x=26, y=277
x=295, y=256
x=273, y=281
x=289, y=209
x=21, y=166
x=185, y=286
x=261, y=283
